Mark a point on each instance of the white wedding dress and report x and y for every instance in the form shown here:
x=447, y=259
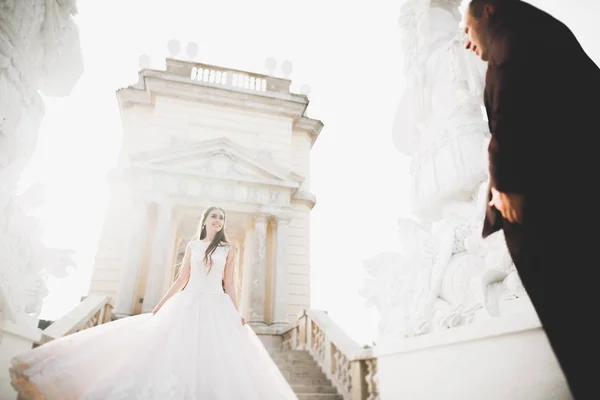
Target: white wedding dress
x=194, y=348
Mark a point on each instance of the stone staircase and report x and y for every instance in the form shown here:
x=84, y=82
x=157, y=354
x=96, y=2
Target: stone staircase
x=304, y=375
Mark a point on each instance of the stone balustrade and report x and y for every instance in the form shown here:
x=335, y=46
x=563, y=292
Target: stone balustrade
x=214, y=75
x=351, y=368
x=92, y=311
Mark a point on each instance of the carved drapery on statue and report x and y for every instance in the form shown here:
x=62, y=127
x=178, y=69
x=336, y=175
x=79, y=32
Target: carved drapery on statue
x=439, y=119
x=39, y=51
x=22, y=257
x=445, y=273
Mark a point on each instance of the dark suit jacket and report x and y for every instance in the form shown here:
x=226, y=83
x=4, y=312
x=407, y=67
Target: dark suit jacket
x=541, y=98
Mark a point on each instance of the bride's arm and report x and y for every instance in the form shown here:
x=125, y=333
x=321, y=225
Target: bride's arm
x=180, y=282
x=229, y=277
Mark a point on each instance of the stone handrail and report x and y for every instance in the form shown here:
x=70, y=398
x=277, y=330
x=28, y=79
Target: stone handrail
x=351, y=368
x=94, y=310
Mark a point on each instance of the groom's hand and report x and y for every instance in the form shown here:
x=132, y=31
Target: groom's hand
x=509, y=205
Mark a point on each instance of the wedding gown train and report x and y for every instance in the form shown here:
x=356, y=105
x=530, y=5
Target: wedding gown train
x=194, y=348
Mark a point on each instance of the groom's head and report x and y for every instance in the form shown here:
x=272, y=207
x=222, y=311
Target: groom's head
x=480, y=16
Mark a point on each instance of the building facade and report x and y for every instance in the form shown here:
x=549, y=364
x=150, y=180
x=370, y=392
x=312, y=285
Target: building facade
x=197, y=135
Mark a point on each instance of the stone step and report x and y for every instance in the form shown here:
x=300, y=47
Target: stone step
x=294, y=363
x=314, y=374
x=292, y=360
x=309, y=381
x=304, y=375
x=286, y=351
x=300, y=368
x=328, y=389
x=319, y=396
x=296, y=355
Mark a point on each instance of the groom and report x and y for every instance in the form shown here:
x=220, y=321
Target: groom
x=542, y=98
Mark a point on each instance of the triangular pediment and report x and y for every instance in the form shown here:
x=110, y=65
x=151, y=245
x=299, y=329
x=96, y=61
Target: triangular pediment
x=218, y=158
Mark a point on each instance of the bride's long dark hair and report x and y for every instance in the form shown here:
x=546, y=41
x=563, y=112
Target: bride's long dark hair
x=220, y=238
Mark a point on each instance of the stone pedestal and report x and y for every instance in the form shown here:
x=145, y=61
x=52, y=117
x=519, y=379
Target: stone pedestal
x=496, y=359
x=15, y=338
x=158, y=261
x=256, y=315
x=125, y=298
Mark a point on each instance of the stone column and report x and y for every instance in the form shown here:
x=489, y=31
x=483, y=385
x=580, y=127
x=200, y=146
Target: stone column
x=240, y=270
x=247, y=275
x=158, y=260
x=280, y=297
x=125, y=297
x=256, y=313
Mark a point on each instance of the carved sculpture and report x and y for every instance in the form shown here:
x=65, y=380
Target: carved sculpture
x=39, y=52
x=445, y=273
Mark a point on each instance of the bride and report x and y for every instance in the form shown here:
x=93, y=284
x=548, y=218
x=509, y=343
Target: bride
x=194, y=345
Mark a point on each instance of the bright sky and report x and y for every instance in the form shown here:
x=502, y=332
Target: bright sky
x=348, y=52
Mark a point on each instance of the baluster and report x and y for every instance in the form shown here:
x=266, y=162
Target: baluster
x=294, y=343
x=342, y=371
x=371, y=379
x=308, y=334
x=319, y=343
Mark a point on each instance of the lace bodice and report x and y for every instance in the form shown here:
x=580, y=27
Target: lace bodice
x=203, y=280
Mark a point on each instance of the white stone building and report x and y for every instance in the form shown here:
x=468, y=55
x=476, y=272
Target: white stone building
x=198, y=135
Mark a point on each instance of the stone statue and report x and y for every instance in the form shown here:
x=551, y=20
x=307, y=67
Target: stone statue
x=25, y=260
x=39, y=52
x=439, y=119
x=445, y=274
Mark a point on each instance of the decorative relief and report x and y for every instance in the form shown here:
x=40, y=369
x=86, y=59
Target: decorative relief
x=274, y=197
x=213, y=189
x=222, y=175
x=218, y=163
x=226, y=191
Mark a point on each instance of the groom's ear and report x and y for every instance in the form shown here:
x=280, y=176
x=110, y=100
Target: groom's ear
x=482, y=8
x=489, y=10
